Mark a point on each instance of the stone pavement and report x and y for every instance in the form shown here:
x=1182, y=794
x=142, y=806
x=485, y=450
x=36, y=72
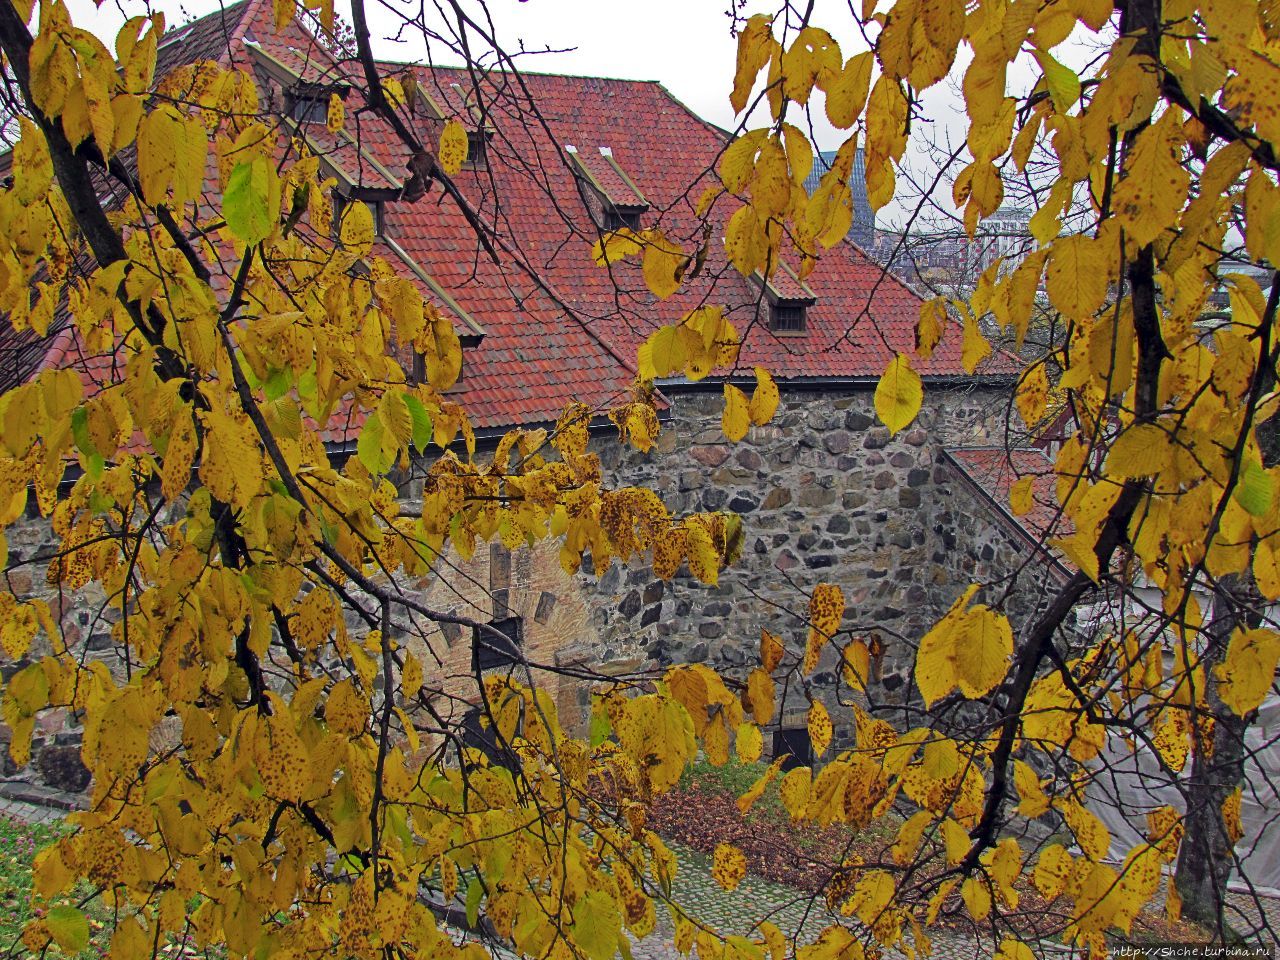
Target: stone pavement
x=28, y=804
x=796, y=912
x=799, y=916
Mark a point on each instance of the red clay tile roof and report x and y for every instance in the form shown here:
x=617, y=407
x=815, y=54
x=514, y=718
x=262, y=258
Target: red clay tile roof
x=602, y=170
x=992, y=471
x=558, y=328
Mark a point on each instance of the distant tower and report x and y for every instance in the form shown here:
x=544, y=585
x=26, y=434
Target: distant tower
x=863, y=230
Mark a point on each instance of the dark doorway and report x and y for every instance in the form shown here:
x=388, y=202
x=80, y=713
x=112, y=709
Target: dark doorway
x=794, y=745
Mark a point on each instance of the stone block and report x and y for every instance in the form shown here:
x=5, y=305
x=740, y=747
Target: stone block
x=710, y=456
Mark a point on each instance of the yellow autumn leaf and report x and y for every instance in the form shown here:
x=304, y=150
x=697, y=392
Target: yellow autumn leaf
x=715, y=741
x=1034, y=802
x=826, y=607
x=748, y=743
x=1077, y=276
x=968, y=648
x=663, y=264
x=929, y=328
x=819, y=726
x=1248, y=669
x=771, y=651
x=764, y=399
x=794, y=791
x=1090, y=832
x=1142, y=450
x=909, y=836
x=757, y=789
x=898, y=394
x=728, y=866
x=955, y=839
x=755, y=47
x=1052, y=871
x=735, y=420
x=855, y=665
x=335, y=115
x=356, y=231
x=976, y=897
x=1021, y=498
x=1011, y=949
x=974, y=347
x=984, y=645
x=760, y=694
x=847, y=93
x=453, y=148
x=614, y=247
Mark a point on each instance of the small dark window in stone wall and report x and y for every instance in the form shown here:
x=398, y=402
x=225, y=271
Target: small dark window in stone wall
x=501, y=604
x=794, y=744
x=490, y=652
x=499, y=566
x=452, y=631
x=546, y=606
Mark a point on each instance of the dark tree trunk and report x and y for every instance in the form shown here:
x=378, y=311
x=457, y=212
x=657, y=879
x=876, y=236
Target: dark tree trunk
x=1207, y=853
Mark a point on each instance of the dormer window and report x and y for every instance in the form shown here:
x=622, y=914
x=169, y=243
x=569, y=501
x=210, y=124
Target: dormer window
x=788, y=316
x=612, y=199
x=309, y=102
x=788, y=299
x=615, y=218
x=377, y=209
x=308, y=109
x=477, y=150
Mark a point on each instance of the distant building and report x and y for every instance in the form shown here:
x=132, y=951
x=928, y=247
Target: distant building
x=949, y=259
x=863, y=230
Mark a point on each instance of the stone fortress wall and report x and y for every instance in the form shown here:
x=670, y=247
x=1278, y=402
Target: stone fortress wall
x=825, y=494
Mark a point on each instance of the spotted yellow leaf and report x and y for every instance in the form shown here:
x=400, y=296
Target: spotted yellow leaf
x=771, y=651
x=748, y=743
x=764, y=399
x=735, y=419
x=728, y=866
x=1020, y=496
x=820, y=729
x=453, y=148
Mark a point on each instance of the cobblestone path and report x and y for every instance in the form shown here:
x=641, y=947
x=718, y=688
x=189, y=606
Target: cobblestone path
x=796, y=914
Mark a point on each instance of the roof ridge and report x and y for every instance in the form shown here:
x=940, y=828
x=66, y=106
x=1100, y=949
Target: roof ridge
x=222, y=11
x=486, y=71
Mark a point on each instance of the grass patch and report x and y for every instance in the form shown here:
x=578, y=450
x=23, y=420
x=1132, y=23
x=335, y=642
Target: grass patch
x=19, y=845
x=734, y=778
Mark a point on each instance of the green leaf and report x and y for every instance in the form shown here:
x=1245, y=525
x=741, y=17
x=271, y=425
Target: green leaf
x=1061, y=81
x=600, y=729
x=278, y=383
x=370, y=448
x=422, y=428
x=69, y=928
x=474, y=893
x=80, y=431
x=245, y=202
x=596, y=925
x=1253, y=490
